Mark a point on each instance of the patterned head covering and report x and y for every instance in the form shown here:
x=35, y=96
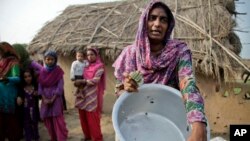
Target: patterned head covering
x=50, y=75
x=95, y=51
x=142, y=40
x=138, y=55
x=8, y=50
x=9, y=58
x=92, y=68
x=52, y=54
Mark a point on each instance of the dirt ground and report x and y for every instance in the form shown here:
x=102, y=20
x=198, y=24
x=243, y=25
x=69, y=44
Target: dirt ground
x=74, y=127
x=221, y=112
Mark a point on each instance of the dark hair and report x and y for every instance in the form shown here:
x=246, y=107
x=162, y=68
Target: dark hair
x=81, y=51
x=165, y=8
x=1, y=50
x=33, y=75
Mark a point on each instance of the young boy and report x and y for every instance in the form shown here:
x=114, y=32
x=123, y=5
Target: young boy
x=77, y=67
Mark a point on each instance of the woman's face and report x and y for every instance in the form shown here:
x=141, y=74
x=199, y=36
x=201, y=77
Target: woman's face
x=49, y=61
x=157, y=25
x=91, y=56
x=27, y=77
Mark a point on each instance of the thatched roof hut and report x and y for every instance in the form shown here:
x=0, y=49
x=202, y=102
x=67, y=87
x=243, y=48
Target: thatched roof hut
x=206, y=25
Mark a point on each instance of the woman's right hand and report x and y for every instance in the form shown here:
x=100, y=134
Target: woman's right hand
x=79, y=82
x=46, y=100
x=129, y=84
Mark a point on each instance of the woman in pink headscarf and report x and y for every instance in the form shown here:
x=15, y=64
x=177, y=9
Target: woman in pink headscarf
x=89, y=99
x=162, y=60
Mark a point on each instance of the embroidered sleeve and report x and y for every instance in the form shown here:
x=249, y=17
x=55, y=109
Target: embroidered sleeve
x=194, y=102
x=97, y=77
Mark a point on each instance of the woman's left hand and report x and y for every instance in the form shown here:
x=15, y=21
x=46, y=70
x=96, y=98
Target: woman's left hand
x=129, y=84
x=199, y=132
x=19, y=101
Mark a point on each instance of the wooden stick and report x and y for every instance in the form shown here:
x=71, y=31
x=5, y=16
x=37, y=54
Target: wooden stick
x=175, y=12
x=210, y=29
x=125, y=25
x=198, y=28
x=101, y=22
x=109, y=31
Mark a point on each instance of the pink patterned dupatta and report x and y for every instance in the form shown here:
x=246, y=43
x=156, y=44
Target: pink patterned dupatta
x=89, y=73
x=138, y=56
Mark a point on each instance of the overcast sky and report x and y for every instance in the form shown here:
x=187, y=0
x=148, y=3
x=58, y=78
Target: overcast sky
x=243, y=22
x=20, y=20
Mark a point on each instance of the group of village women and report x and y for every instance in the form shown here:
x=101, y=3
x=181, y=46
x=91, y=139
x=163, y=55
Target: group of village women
x=23, y=82
x=154, y=54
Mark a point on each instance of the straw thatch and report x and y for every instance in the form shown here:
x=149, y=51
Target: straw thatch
x=206, y=25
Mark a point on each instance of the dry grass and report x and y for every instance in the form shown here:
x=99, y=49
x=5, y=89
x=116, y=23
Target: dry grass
x=206, y=25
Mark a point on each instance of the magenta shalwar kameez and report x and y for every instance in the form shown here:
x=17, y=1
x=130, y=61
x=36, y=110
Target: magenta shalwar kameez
x=51, y=84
